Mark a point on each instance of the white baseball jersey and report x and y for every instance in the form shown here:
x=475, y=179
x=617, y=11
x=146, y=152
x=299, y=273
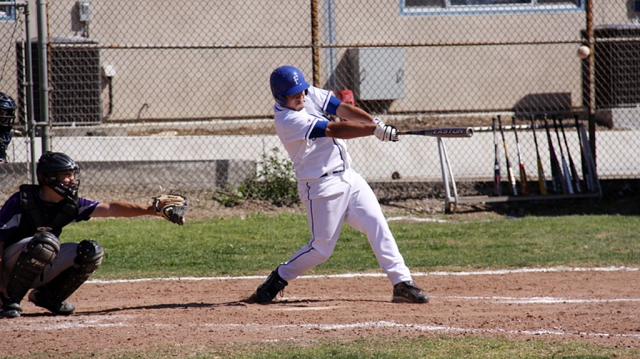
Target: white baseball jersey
x=333, y=193
x=311, y=157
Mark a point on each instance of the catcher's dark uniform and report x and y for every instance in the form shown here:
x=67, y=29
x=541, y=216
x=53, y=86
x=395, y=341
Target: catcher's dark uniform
x=25, y=214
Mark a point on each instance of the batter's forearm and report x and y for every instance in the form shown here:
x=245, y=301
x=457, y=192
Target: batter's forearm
x=347, y=130
x=352, y=113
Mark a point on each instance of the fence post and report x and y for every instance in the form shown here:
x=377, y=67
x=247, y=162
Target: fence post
x=592, y=80
x=315, y=51
x=43, y=42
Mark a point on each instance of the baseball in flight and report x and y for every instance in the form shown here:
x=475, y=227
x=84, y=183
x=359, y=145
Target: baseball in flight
x=583, y=52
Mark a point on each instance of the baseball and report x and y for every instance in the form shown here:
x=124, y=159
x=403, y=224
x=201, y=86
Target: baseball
x=583, y=52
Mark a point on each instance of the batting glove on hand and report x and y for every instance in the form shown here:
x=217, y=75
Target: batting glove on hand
x=378, y=122
x=386, y=133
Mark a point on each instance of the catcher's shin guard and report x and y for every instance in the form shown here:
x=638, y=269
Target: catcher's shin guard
x=270, y=288
x=52, y=295
x=41, y=250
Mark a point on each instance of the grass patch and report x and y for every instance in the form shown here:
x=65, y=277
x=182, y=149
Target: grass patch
x=383, y=347
x=139, y=248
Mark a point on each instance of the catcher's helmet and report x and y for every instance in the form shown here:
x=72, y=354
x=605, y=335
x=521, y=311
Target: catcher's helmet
x=285, y=81
x=7, y=110
x=50, y=166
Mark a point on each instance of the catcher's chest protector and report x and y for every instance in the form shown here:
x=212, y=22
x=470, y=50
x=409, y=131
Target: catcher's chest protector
x=37, y=216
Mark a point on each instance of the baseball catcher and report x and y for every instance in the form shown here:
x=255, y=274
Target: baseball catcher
x=32, y=256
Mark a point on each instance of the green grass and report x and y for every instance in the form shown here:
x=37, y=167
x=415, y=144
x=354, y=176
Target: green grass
x=441, y=347
x=142, y=248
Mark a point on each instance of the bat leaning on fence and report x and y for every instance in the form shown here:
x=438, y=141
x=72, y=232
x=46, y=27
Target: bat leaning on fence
x=572, y=166
x=441, y=132
x=497, y=187
x=556, y=171
x=524, y=182
x=542, y=182
x=512, y=177
x=567, y=187
x=586, y=172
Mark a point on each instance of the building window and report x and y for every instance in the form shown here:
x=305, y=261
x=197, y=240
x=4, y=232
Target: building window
x=7, y=12
x=442, y=7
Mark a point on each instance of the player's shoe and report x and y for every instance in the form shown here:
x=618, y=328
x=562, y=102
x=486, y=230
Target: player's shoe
x=408, y=292
x=41, y=299
x=268, y=290
x=10, y=310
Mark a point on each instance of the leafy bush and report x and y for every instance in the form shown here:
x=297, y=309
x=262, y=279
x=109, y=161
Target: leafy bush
x=275, y=182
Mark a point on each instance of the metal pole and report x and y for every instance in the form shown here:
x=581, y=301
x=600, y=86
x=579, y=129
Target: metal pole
x=592, y=78
x=31, y=123
x=315, y=51
x=43, y=73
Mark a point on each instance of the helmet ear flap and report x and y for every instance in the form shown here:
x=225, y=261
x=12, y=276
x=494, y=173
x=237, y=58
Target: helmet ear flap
x=281, y=99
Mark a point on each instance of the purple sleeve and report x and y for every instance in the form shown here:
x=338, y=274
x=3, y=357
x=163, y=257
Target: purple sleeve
x=10, y=216
x=87, y=207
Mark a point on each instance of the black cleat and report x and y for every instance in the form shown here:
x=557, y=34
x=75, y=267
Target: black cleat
x=10, y=310
x=41, y=299
x=268, y=290
x=408, y=292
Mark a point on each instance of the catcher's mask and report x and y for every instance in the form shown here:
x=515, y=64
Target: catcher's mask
x=285, y=81
x=54, y=168
x=7, y=110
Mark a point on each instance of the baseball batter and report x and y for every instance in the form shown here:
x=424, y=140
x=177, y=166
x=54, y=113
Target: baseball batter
x=332, y=192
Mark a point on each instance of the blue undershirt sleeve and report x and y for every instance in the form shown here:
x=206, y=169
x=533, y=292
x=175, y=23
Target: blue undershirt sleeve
x=319, y=130
x=332, y=107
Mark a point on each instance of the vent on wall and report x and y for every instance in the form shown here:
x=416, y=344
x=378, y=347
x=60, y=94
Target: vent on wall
x=74, y=80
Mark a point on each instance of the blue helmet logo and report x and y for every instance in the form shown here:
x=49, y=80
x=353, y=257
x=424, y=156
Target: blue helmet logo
x=285, y=81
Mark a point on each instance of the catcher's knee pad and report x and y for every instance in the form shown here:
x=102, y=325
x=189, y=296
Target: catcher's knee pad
x=270, y=287
x=41, y=250
x=88, y=258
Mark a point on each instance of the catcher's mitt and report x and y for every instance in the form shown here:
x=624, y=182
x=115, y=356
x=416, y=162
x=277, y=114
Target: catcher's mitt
x=171, y=207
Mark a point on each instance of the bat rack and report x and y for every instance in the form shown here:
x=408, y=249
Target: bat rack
x=452, y=198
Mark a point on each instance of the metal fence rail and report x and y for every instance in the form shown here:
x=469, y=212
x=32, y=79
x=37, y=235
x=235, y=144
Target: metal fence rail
x=138, y=85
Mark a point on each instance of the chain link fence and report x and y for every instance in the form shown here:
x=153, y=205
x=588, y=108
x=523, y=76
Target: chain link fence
x=151, y=96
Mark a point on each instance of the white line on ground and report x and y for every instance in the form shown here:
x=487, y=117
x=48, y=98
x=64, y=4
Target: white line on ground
x=416, y=274
x=120, y=321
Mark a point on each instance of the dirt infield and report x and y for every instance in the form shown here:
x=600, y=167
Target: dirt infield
x=570, y=305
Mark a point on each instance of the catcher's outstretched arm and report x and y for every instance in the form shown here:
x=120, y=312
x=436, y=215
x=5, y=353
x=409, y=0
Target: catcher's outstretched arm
x=123, y=209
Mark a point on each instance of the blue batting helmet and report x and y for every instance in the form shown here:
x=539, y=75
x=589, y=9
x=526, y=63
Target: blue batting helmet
x=285, y=81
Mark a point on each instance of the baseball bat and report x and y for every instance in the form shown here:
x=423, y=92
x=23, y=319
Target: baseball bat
x=566, y=177
x=572, y=166
x=556, y=172
x=497, y=187
x=586, y=173
x=512, y=177
x=524, y=182
x=542, y=182
x=441, y=132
